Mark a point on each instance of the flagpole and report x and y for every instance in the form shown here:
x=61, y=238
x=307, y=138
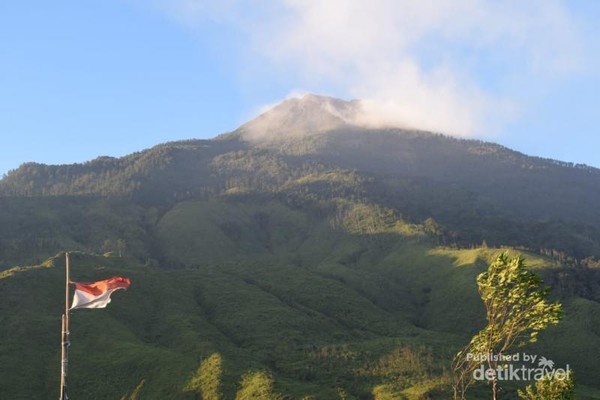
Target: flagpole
x=65, y=336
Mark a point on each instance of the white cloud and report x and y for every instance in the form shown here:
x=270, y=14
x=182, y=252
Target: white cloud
x=438, y=65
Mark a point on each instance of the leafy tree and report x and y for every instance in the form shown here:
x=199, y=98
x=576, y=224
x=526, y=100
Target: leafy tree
x=432, y=228
x=551, y=387
x=517, y=309
x=257, y=386
x=207, y=380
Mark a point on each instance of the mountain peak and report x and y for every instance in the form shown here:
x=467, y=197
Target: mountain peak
x=309, y=114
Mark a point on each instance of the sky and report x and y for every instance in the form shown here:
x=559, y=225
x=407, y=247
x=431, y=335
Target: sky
x=79, y=80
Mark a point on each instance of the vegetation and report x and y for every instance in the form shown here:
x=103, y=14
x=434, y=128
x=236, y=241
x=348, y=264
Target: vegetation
x=516, y=311
x=458, y=184
x=380, y=323
x=323, y=267
x=207, y=381
x=550, y=388
x=257, y=386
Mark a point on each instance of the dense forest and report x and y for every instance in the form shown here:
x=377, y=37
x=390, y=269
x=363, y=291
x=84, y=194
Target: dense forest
x=473, y=191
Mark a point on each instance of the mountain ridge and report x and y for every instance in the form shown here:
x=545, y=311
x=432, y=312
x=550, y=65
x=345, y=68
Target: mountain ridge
x=301, y=117
x=468, y=186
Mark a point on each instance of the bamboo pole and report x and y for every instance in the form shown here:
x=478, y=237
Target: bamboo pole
x=65, y=336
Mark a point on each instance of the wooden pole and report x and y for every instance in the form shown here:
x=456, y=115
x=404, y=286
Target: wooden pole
x=67, y=282
x=63, y=393
x=65, y=336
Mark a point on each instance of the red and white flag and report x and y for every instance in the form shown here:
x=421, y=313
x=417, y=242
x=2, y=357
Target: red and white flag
x=97, y=294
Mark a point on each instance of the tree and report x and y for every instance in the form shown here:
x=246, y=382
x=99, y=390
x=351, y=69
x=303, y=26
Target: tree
x=517, y=309
x=257, y=386
x=107, y=246
x=121, y=247
x=551, y=387
x=207, y=380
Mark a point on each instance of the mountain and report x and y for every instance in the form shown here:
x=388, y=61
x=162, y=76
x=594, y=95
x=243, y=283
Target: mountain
x=474, y=190
x=339, y=257
x=307, y=116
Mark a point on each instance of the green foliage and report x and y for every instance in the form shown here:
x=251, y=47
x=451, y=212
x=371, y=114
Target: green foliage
x=403, y=366
x=369, y=219
x=516, y=306
x=33, y=229
x=384, y=316
x=516, y=311
x=207, y=380
x=384, y=392
x=420, y=176
x=553, y=387
x=257, y=385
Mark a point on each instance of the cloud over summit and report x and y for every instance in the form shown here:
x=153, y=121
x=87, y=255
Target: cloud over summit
x=420, y=64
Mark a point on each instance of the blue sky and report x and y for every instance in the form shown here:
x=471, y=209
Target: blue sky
x=83, y=79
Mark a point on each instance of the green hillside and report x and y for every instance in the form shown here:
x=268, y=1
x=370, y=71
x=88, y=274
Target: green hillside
x=386, y=322
x=474, y=191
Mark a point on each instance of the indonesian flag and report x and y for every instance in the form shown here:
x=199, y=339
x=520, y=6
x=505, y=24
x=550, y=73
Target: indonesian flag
x=97, y=294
